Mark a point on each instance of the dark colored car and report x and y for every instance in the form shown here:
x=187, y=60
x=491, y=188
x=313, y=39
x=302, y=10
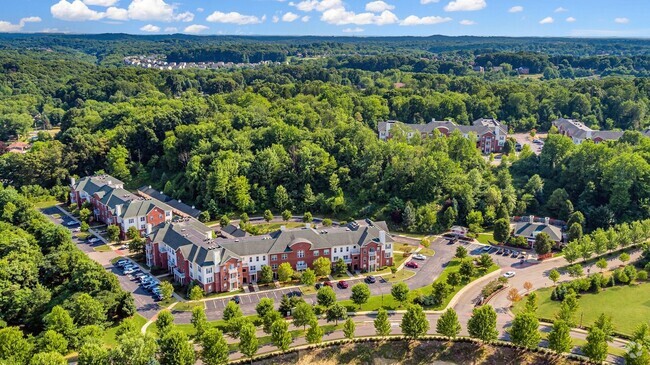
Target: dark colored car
x=328, y=283
x=295, y=293
x=318, y=286
x=370, y=279
x=343, y=284
x=236, y=299
x=412, y=264
x=157, y=297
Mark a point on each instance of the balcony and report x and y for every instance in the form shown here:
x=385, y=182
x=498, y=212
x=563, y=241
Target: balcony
x=179, y=273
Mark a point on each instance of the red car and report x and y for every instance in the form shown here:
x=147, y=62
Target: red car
x=328, y=283
x=412, y=264
x=343, y=284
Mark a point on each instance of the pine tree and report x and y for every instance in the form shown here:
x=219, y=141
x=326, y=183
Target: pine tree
x=448, y=324
x=348, y=329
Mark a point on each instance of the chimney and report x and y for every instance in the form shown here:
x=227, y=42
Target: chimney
x=149, y=228
x=209, y=235
x=179, y=201
x=73, y=181
x=531, y=219
x=109, y=182
x=382, y=236
x=283, y=228
x=118, y=210
x=193, y=207
x=547, y=220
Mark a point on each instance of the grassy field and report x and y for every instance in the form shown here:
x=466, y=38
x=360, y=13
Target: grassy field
x=109, y=334
x=271, y=227
x=188, y=306
x=485, y=238
x=46, y=204
x=189, y=329
x=629, y=306
x=400, y=276
x=102, y=248
x=427, y=252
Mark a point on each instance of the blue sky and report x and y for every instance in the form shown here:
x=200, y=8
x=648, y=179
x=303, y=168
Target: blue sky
x=581, y=18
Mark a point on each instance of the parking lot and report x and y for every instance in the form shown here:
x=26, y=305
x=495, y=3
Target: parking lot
x=143, y=300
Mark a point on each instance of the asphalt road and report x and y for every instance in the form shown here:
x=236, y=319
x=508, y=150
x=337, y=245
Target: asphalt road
x=144, y=302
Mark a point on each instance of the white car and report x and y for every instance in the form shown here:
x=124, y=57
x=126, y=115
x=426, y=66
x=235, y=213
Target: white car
x=71, y=223
x=419, y=256
x=76, y=230
x=509, y=274
x=94, y=240
x=124, y=247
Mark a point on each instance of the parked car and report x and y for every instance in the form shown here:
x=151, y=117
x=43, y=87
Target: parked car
x=506, y=252
x=499, y=251
x=121, y=262
x=412, y=264
x=343, y=284
x=370, y=279
x=157, y=297
x=509, y=274
x=328, y=283
x=76, y=230
x=318, y=286
x=71, y=223
x=236, y=299
x=514, y=254
x=486, y=248
x=130, y=270
x=419, y=256
x=94, y=240
x=295, y=293
x=124, y=247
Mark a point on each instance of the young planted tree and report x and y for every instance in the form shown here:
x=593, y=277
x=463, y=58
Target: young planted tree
x=554, y=275
x=302, y=314
x=525, y=330
x=382, y=325
x=461, y=252
x=269, y=318
x=400, y=291
x=224, y=221
x=360, y=293
x=166, y=290
x=483, y=324
x=559, y=339
x=264, y=306
x=314, y=333
x=199, y=321
x=280, y=335
x=528, y=285
x=248, y=342
x=336, y=313
x=448, y=324
x=596, y=348
x=286, y=215
x=414, y=323
x=268, y=215
x=265, y=275
x=322, y=267
x=285, y=272
x=348, y=328
x=175, y=348
x=214, y=348
x=340, y=267
x=196, y=293
x=326, y=296
x=601, y=264
x=531, y=303
x=514, y=296
x=113, y=233
x=231, y=311
x=165, y=322
x=308, y=277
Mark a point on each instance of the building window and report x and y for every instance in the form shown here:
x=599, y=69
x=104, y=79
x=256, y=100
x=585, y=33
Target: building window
x=257, y=259
x=334, y=249
x=284, y=256
x=159, y=216
x=388, y=246
x=253, y=268
x=142, y=219
x=250, y=259
x=131, y=221
x=345, y=257
x=301, y=254
x=347, y=249
x=274, y=266
x=326, y=252
x=209, y=279
x=316, y=253
x=274, y=257
x=208, y=270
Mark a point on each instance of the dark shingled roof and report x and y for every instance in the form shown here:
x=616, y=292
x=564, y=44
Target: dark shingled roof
x=175, y=204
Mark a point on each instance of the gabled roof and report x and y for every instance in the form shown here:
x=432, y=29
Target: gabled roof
x=141, y=207
x=175, y=204
x=528, y=229
x=91, y=184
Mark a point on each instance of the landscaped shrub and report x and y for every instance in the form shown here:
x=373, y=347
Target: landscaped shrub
x=642, y=275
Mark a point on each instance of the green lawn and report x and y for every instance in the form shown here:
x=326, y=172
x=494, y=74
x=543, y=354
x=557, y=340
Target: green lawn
x=485, y=238
x=187, y=306
x=427, y=252
x=46, y=203
x=398, y=259
x=189, y=329
x=272, y=227
x=400, y=275
x=109, y=333
x=102, y=248
x=629, y=306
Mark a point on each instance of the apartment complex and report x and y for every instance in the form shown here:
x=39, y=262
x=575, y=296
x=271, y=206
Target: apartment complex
x=578, y=132
x=113, y=205
x=490, y=134
x=188, y=250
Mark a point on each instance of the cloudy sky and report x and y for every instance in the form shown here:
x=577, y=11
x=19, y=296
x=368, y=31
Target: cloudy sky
x=601, y=18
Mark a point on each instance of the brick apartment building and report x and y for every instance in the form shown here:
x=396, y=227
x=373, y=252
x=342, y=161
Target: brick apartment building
x=490, y=134
x=188, y=250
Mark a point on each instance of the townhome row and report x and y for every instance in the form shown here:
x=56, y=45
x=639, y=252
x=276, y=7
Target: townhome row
x=490, y=134
x=188, y=250
x=578, y=132
x=113, y=205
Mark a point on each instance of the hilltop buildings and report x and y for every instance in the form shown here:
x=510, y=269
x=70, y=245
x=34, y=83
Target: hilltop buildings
x=579, y=132
x=490, y=134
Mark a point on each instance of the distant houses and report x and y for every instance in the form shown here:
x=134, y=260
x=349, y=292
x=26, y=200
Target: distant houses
x=490, y=134
x=578, y=132
x=529, y=227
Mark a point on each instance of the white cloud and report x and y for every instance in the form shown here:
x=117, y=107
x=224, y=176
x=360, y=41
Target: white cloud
x=117, y=13
x=195, y=29
x=151, y=10
x=425, y=20
x=466, y=22
x=171, y=30
x=424, y=2
x=561, y=10
x=353, y=30
x=570, y=19
x=7, y=27
x=184, y=17
x=378, y=6
x=465, y=5
x=516, y=9
x=305, y=18
x=75, y=11
x=150, y=28
x=547, y=20
x=199, y=10
x=340, y=16
x=234, y=18
x=622, y=20
x=310, y=5
x=275, y=19
x=105, y=3
x=289, y=17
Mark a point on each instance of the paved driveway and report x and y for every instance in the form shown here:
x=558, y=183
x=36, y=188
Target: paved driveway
x=144, y=303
